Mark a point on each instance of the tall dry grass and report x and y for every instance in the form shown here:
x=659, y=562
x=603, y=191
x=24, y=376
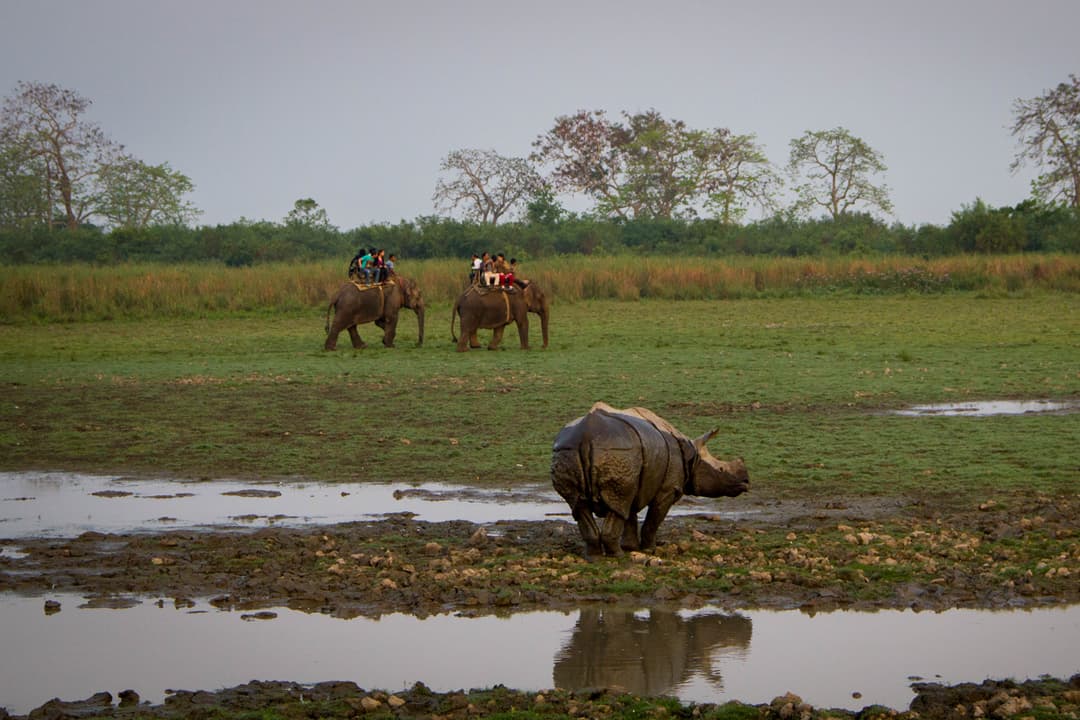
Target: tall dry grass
x=81, y=292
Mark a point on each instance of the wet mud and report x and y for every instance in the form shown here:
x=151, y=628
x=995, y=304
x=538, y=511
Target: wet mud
x=815, y=555
x=849, y=553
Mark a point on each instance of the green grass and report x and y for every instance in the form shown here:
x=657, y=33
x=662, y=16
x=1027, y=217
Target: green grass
x=797, y=386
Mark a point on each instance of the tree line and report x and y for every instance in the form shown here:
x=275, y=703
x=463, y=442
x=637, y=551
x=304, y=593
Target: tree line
x=69, y=192
x=976, y=228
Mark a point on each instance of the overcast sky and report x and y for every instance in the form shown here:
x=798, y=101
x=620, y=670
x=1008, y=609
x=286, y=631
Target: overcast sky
x=354, y=104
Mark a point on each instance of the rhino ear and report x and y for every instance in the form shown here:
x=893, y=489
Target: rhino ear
x=699, y=443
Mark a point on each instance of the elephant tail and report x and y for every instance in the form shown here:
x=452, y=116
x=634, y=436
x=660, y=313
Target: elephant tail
x=329, y=310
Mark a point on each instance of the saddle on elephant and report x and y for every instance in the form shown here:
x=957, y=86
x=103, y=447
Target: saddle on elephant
x=372, y=286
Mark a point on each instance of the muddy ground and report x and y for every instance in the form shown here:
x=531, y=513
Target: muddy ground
x=860, y=553
x=922, y=553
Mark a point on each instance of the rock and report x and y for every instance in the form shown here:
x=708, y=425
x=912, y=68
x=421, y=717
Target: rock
x=664, y=593
x=52, y=607
x=395, y=702
x=370, y=704
x=480, y=537
x=128, y=698
x=57, y=709
x=1011, y=706
x=261, y=615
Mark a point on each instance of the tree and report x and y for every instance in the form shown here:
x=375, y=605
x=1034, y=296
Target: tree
x=485, y=185
x=137, y=195
x=1048, y=128
x=650, y=167
x=738, y=173
x=307, y=213
x=832, y=169
x=45, y=123
x=22, y=189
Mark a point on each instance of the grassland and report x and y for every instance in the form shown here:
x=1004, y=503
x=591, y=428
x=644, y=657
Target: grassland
x=799, y=383
x=89, y=293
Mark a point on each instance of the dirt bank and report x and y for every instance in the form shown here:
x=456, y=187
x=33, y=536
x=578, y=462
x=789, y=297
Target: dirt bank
x=1045, y=698
x=898, y=553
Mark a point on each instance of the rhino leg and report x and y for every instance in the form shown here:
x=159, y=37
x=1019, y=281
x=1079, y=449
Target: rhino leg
x=568, y=478
x=658, y=510
x=590, y=533
x=630, y=534
x=611, y=533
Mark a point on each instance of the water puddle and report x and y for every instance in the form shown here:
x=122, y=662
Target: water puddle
x=41, y=504
x=988, y=408
x=706, y=655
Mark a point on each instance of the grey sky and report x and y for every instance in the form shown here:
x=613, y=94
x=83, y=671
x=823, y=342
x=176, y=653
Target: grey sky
x=263, y=102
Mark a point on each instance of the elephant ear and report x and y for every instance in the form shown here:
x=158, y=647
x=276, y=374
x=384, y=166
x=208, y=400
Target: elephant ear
x=699, y=443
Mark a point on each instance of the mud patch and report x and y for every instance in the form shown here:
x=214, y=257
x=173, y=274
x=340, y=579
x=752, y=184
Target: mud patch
x=253, y=493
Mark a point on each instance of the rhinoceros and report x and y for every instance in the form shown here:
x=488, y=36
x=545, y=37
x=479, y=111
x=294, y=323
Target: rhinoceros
x=612, y=463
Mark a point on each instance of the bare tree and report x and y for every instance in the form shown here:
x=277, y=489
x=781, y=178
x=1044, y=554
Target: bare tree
x=1048, y=128
x=485, y=186
x=46, y=122
x=832, y=169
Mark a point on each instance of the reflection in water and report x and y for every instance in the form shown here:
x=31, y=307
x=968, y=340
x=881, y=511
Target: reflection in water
x=78, y=648
x=650, y=653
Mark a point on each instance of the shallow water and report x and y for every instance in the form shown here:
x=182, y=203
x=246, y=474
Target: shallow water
x=988, y=408
x=705, y=655
x=54, y=504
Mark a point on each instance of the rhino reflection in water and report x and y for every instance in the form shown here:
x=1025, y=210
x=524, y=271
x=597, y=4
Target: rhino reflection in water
x=648, y=655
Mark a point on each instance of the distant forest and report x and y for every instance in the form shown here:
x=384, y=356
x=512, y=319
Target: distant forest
x=977, y=228
x=69, y=193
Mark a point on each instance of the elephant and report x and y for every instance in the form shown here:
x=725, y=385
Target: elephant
x=495, y=308
x=612, y=463
x=354, y=304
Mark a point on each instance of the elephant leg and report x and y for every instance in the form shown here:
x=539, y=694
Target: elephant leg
x=354, y=335
x=590, y=533
x=390, y=332
x=523, y=330
x=331, y=338
x=463, y=342
x=496, y=337
x=658, y=510
x=474, y=339
x=630, y=534
x=610, y=534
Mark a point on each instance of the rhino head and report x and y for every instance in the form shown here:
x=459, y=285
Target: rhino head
x=710, y=477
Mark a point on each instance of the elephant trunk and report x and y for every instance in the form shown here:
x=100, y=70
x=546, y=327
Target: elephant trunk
x=420, y=324
x=544, y=312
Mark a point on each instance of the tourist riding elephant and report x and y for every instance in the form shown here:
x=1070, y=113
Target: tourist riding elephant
x=494, y=308
x=613, y=463
x=355, y=304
